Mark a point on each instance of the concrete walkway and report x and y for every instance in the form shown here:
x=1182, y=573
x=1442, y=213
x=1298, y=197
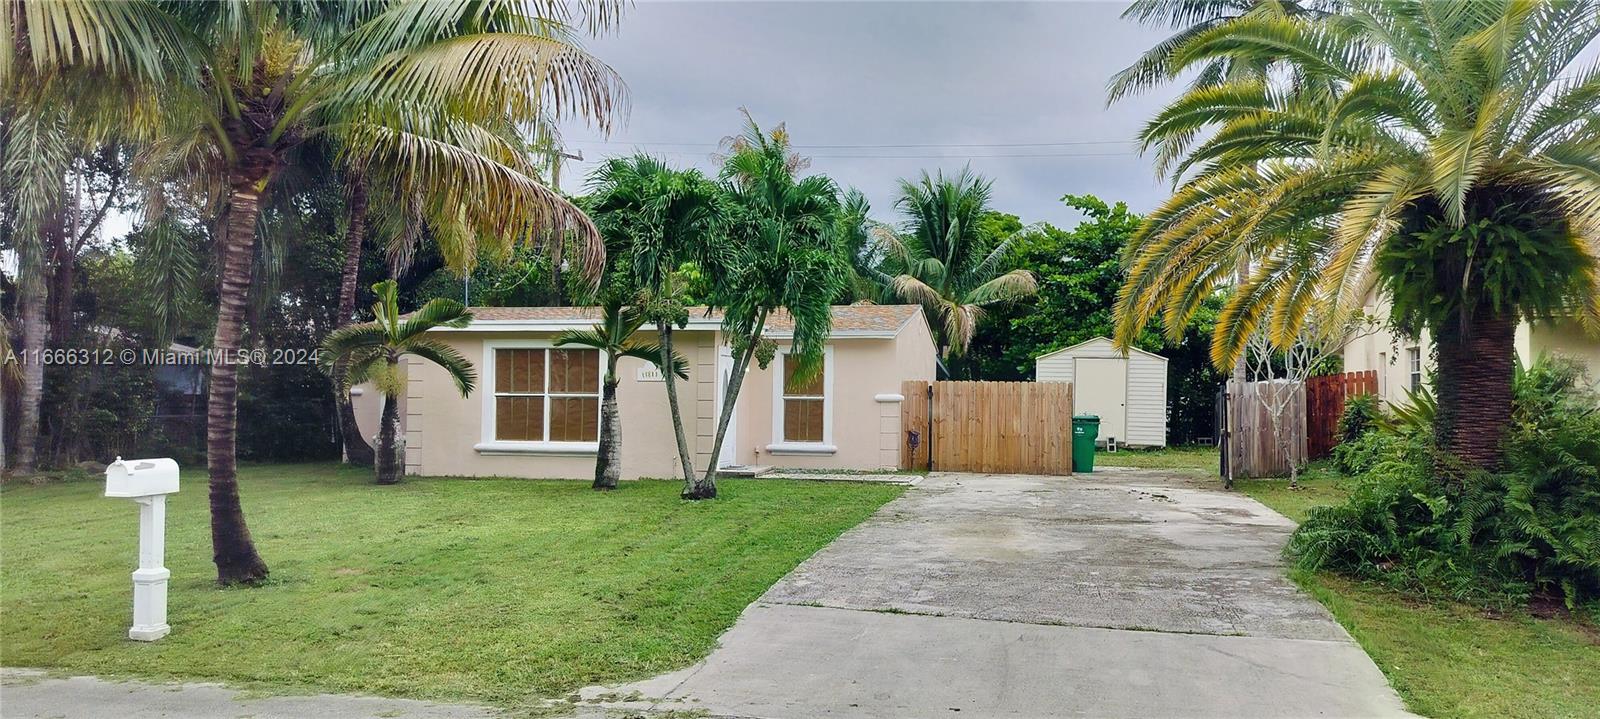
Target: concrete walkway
x=1123, y=594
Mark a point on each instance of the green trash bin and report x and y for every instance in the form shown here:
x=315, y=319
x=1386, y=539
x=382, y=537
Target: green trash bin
x=1085, y=430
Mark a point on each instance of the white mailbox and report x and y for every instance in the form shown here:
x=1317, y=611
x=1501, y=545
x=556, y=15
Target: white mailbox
x=148, y=482
x=141, y=477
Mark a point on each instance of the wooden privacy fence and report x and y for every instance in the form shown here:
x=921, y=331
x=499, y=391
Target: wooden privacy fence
x=1253, y=447
x=1325, y=397
x=1011, y=427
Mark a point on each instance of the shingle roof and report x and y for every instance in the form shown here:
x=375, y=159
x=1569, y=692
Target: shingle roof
x=846, y=318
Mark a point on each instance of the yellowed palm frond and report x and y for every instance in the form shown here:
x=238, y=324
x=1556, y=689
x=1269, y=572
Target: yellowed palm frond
x=1364, y=221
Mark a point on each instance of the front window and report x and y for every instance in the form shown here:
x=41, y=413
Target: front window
x=1414, y=355
x=546, y=395
x=804, y=405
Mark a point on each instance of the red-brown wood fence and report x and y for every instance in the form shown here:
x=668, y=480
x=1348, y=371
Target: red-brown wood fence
x=1325, y=398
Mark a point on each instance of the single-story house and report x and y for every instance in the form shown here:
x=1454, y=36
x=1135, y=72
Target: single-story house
x=1402, y=363
x=536, y=411
x=1127, y=390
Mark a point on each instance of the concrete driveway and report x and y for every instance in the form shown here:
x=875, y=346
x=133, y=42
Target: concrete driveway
x=1120, y=594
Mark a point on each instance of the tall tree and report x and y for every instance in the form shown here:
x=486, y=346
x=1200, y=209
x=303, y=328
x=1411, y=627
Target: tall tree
x=614, y=337
x=34, y=172
x=372, y=352
x=1453, y=166
x=656, y=219
x=784, y=257
x=942, y=262
x=411, y=81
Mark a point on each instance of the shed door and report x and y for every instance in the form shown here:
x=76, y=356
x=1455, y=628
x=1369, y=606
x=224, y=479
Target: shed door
x=1101, y=387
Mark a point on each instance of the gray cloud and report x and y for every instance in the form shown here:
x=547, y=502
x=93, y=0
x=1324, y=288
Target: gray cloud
x=896, y=73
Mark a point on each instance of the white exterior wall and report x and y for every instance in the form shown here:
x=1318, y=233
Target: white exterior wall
x=1145, y=402
x=1388, y=353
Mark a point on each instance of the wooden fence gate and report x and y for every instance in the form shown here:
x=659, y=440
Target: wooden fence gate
x=1253, y=448
x=997, y=427
x=1325, y=398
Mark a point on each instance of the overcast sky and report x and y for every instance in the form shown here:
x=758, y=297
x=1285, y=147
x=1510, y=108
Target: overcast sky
x=873, y=92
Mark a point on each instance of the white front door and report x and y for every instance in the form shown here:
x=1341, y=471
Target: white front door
x=1100, y=387
x=730, y=442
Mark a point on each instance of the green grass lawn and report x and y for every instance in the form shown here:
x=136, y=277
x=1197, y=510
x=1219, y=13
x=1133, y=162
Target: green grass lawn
x=500, y=591
x=1186, y=458
x=1451, y=660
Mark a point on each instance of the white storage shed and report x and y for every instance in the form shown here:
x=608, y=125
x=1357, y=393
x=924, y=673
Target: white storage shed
x=1128, y=391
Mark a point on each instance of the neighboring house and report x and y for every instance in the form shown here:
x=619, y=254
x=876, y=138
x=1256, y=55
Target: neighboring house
x=536, y=412
x=1128, y=391
x=1403, y=363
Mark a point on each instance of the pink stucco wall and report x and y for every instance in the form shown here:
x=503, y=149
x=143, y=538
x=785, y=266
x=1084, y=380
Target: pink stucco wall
x=444, y=432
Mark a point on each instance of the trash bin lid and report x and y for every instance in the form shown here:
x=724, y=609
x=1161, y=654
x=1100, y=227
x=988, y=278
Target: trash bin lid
x=1086, y=417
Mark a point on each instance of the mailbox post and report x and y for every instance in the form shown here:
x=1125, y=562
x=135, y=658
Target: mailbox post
x=148, y=482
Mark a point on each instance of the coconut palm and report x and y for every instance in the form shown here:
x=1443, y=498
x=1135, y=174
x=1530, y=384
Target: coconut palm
x=432, y=86
x=1454, y=168
x=71, y=76
x=784, y=256
x=658, y=218
x=942, y=261
x=614, y=336
x=33, y=175
x=372, y=352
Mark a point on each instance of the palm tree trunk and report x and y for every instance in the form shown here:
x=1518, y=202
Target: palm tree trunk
x=1476, y=365
x=608, y=460
x=706, y=488
x=232, y=549
x=671, y=380
x=388, y=469
x=61, y=289
x=356, y=450
x=32, y=312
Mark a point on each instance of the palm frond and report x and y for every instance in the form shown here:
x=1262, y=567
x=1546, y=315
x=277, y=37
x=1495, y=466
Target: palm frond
x=457, y=366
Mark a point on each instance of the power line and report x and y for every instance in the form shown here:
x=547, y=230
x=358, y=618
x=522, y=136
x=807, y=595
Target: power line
x=935, y=156
x=870, y=146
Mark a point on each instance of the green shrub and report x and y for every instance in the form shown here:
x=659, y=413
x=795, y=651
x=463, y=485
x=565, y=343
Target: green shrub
x=1532, y=529
x=1352, y=455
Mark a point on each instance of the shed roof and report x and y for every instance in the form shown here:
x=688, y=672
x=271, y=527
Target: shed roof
x=1093, y=340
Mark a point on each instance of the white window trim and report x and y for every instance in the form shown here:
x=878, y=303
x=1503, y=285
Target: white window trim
x=1414, y=368
x=491, y=446
x=779, y=445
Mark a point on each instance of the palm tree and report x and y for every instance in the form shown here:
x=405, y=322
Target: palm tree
x=659, y=218
x=1454, y=168
x=429, y=85
x=55, y=62
x=614, y=336
x=372, y=352
x=1195, y=20
x=33, y=175
x=943, y=263
x=784, y=256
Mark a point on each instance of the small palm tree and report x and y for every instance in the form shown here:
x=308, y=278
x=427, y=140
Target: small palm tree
x=943, y=262
x=786, y=256
x=372, y=352
x=658, y=218
x=614, y=336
